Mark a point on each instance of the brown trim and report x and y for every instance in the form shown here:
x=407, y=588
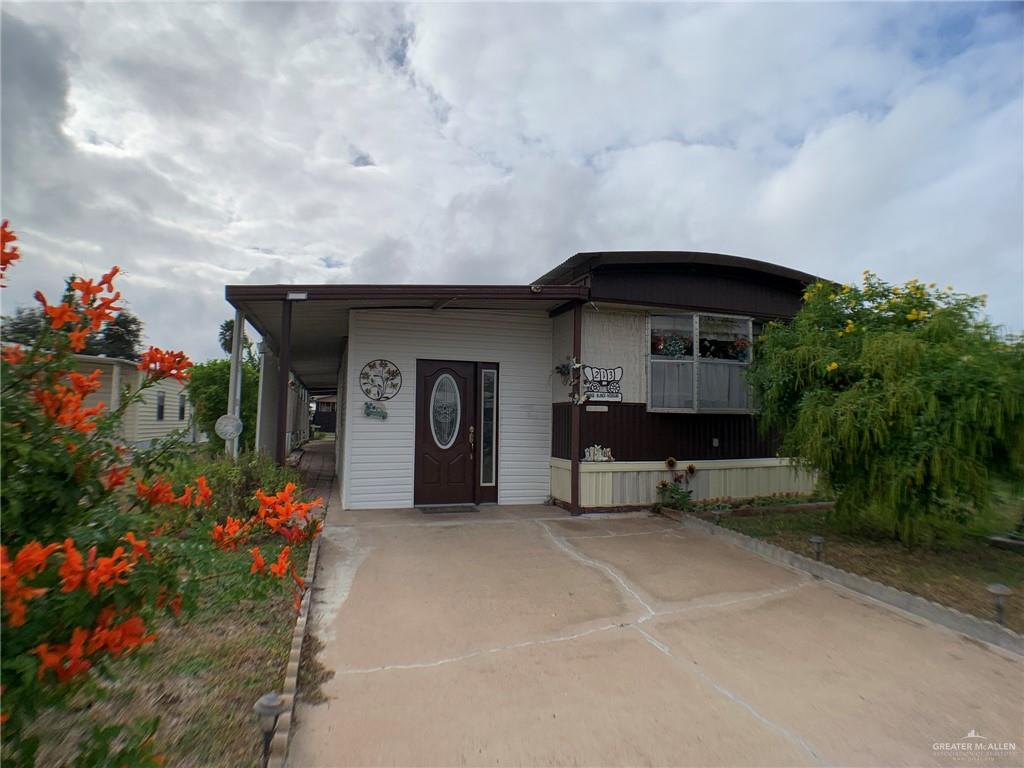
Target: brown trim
x=433, y=293
x=577, y=353
x=284, y=363
x=703, y=309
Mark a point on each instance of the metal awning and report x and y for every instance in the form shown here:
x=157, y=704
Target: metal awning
x=319, y=313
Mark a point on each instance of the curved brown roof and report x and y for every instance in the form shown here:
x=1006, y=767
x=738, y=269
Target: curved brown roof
x=583, y=263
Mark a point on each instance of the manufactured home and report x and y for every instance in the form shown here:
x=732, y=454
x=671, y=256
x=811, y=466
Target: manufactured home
x=162, y=409
x=576, y=388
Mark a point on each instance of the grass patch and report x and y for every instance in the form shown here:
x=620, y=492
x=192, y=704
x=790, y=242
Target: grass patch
x=953, y=573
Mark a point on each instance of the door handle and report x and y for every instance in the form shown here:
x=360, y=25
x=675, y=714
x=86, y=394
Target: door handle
x=472, y=440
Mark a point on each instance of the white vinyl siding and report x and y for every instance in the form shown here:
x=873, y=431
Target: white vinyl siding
x=379, y=455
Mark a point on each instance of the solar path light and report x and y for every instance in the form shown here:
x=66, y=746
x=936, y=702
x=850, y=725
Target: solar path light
x=267, y=710
x=817, y=542
x=999, y=594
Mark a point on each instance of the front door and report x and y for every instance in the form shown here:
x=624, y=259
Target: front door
x=445, y=432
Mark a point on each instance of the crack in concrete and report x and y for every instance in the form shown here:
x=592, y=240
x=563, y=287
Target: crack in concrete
x=733, y=697
x=476, y=654
x=570, y=550
x=566, y=547
x=673, y=531
x=746, y=598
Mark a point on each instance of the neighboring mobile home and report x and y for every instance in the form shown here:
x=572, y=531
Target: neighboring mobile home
x=475, y=394
x=163, y=409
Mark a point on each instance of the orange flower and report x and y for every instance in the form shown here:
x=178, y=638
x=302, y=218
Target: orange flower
x=86, y=288
x=103, y=312
x=280, y=567
x=14, y=354
x=119, y=638
x=31, y=558
x=185, y=499
x=66, y=661
x=64, y=406
x=204, y=495
x=258, y=564
x=85, y=385
x=116, y=477
x=109, y=571
x=28, y=563
x=8, y=253
x=79, y=339
x=61, y=315
x=108, y=279
x=160, y=492
x=159, y=364
x=228, y=535
x=72, y=571
x=139, y=547
x=176, y=605
x=286, y=516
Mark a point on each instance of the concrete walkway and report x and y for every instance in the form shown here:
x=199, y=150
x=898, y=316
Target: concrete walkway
x=521, y=636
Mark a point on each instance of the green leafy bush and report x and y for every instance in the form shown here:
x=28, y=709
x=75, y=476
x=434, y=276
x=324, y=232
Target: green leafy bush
x=902, y=398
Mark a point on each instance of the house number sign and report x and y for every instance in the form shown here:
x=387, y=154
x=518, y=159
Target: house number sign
x=602, y=384
x=380, y=380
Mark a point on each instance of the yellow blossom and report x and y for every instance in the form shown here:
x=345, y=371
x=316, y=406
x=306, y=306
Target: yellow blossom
x=832, y=366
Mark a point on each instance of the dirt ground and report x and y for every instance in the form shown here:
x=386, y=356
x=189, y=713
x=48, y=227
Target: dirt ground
x=521, y=636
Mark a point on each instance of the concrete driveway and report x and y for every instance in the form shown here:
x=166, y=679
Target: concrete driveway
x=521, y=636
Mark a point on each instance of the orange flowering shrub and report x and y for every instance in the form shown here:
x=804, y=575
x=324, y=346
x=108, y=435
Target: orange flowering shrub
x=282, y=514
x=97, y=540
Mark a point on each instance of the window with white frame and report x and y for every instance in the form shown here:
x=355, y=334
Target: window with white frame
x=697, y=362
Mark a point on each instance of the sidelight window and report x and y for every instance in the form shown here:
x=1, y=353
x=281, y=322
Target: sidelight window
x=488, y=426
x=445, y=411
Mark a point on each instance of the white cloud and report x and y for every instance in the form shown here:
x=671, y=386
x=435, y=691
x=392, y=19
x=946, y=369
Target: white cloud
x=198, y=145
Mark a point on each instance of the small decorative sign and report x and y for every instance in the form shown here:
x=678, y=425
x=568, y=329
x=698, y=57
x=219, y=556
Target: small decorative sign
x=602, y=384
x=228, y=427
x=380, y=380
x=375, y=411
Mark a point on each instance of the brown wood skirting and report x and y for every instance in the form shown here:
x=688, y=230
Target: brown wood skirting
x=633, y=434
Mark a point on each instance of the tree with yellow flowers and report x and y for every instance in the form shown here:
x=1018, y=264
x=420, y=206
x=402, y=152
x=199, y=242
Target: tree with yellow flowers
x=903, y=399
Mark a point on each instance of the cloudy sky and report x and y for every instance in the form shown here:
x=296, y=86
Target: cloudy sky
x=202, y=144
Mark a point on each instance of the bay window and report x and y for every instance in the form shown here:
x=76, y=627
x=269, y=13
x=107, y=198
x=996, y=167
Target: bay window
x=697, y=362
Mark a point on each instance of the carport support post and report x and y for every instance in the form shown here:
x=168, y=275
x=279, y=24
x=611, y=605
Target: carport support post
x=235, y=379
x=574, y=440
x=284, y=364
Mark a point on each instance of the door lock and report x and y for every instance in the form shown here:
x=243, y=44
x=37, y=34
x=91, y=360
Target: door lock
x=472, y=440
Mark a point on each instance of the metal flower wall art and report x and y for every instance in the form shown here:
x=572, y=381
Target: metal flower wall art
x=380, y=380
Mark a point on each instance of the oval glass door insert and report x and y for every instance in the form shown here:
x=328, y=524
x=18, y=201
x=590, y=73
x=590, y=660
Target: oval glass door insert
x=445, y=411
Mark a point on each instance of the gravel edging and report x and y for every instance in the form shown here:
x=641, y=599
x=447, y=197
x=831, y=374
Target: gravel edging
x=282, y=731
x=965, y=624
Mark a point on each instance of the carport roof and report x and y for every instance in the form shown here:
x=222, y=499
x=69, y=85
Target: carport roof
x=320, y=313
